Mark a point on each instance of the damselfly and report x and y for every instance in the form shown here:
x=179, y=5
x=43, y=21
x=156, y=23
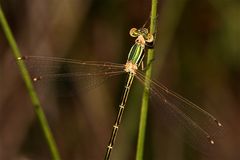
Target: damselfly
x=202, y=125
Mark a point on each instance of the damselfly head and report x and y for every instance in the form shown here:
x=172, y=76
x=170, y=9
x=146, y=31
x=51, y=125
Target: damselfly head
x=148, y=37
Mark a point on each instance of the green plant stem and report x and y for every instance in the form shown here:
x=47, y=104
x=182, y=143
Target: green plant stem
x=35, y=101
x=145, y=97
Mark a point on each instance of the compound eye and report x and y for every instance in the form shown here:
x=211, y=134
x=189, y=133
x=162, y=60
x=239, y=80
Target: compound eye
x=149, y=38
x=133, y=32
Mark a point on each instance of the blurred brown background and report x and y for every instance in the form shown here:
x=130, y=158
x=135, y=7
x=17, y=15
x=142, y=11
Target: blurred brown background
x=197, y=55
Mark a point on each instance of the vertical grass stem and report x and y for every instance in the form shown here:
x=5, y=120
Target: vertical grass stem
x=145, y=97
x=35, y=101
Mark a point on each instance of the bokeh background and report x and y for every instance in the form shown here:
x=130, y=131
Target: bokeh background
x=197, y=55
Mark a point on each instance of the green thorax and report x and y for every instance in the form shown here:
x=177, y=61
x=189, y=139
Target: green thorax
x=136, y=54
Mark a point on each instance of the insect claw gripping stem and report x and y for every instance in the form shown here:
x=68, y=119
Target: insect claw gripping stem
x=150, y=45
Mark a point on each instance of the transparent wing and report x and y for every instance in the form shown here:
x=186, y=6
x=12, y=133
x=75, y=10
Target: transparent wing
x=200, y=128
x=88, y=73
